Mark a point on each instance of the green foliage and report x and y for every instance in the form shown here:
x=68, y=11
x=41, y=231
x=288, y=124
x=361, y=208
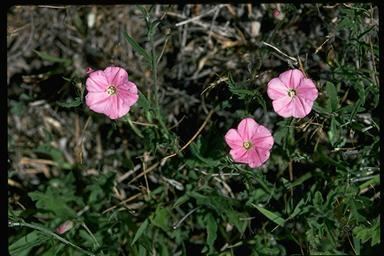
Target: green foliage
x=138, y=48
x=138, y=192
x=70, y=103
x=270, y=215
x=243, y=92
x=51, y=58
x=365, y=233
x=25, y=244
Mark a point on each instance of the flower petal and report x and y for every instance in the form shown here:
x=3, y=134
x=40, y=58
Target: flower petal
x=301, y=107
x=233, y=139
x=246, y=128
x=283, y=106
x=112, y=110
x=276, y=89
x=307, y=89
x=95, y=97
x=291, y=78
x=263, y=156
x=116, y=75
x=128, y=93
x=263, y=138
x=96, y=82
x=100, y=106
x=239, y=155
x=254, y=159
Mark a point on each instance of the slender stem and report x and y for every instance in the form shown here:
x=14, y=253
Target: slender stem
x=48, y=232
x=92, y=235
x=155, y=84
x=154, y=71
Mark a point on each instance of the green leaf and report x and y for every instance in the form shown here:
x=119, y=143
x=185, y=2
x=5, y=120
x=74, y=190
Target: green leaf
x=23, y=245
x=161, y=218
x=368, y=233
x=101, y=189
x=51, y=58
x=270, y=215
x=140, y=231
x=138, y=48
x=143, y=102
x=52, y=203
x=181, y=200
x=299, y=180
x=298, y=209
x=356, y=109
x=333, y=132
x=235, y=218
x=132, y=125
x=70, y=103
x=318, y=200
x=211, y=231
x=319, y=109
x=375, y=180
x=55, y=154
x=333, y=99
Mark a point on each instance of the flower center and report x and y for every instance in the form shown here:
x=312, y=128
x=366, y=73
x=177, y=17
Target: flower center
x=247, y=145
x=111, y=90
x=291, y=93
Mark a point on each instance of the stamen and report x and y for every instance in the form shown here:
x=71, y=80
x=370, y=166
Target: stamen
x=247, y=145
x=291, y=93
x=111, y=90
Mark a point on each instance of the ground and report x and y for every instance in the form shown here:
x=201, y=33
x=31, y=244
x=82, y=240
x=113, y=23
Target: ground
x=160, y=181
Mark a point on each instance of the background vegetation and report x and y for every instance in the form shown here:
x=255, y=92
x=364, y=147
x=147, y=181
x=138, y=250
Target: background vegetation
x=160, y=181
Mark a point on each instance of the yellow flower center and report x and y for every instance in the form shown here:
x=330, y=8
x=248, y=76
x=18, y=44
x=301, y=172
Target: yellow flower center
x=291, y=93
x=247, y=145
x=111, y=90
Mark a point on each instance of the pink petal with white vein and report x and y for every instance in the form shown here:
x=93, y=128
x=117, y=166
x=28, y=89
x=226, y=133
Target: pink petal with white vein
x=128, y=92
x=101, y=106
x=128, y=98
x=283, y=106
x=276, y=89
x=307, y=89
x=298, y=108
x=301, y=107
x=291, y=78
x=112, y=110
x=116, y=75
x=128, y=86
x=239, y=155
x=246, y=128
x=263, y=138
x=233, y=139
x=123, y=106
x=95, y=97
x=254, y=159
x=96, y=82
x=263, y=154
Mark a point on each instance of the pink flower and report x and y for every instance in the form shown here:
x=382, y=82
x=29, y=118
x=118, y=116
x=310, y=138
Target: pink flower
x=64, y=227
x=250, y=143
x=292, y=94
x=89, y=70
x=110, y=92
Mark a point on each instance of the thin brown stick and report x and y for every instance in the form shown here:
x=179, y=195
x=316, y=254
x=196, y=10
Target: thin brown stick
x=199, y=16
x=162, y=161
x=191, y=140
x=26, y=160
x=122, y=202
x=145, y=172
